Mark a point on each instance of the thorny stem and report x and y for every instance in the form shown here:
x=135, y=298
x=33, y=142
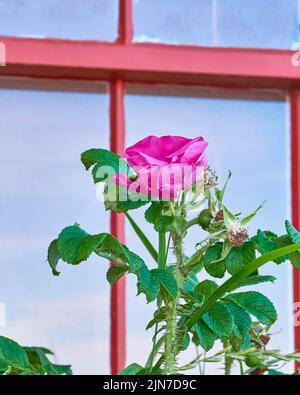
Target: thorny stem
x=228, y=359
x=171, y=344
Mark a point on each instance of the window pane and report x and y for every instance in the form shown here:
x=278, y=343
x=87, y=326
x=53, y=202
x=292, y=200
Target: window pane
x=243, y=23
x=43, y=188
x=76, y=19
x=247, y=136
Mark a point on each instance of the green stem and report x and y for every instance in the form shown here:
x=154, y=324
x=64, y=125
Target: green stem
x=161, y=260
x=171, y=344
x=144, y=239
x=161, y=249
x=228, y=360
x=171, y=338
x=192, y=222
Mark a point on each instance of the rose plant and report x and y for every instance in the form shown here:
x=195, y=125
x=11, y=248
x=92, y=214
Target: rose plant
x=170, y=176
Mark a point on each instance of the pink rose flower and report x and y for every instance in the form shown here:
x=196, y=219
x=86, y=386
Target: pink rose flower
x=164, y=165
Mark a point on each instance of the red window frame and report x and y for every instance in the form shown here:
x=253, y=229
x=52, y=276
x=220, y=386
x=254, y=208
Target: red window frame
x=57, y=60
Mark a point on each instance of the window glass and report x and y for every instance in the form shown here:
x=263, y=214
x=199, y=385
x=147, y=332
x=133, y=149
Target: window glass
x=242, y=23
x=76, y=19
x=44, y=188
x=248, y=136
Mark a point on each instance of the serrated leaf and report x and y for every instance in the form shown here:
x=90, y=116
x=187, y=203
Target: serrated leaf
x=229, y=284
x=219, y=319
x=114, y=273
x=75, y=245
x=39, y=360
x=205, y=336
x=153, y=211
x=206, y=288
x=109, y=244
x=255, y=304
x=119, y=199
x=143, y=275
x=268, y=242
x=239, y=257
x=12, y=354
x=242, y=321
x=164, y=223
x=292, y=232
x=131, y=370
x=212, y=264
x=166, y=279
x=53, y=257
x=106, y=162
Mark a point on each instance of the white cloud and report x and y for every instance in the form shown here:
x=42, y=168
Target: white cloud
x=76, y=328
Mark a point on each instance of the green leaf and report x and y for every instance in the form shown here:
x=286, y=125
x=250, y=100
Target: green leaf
x=61, y=369
x=256, y=304
x=239, y=257
x=247, y=219
x=205, y=336
x=212, y=263
x=268, y=242
x=292, y=232
x=185, y=342
x=229, y=218
x=294, y=257
x=230, y=284
x=39, y=360
x=242, y=321
x=12, y=354
x=106, y=163
x=119, y=199
x=53, y=257
x=219, y=319
x=166, y=279
x=131, y=370
x=110, y=245
x=220, y=193
x=153, y=211
x=273, y=372
x=164, y=223
x=153, y=353
x=144, y=278
x=75, y=245
x=206, y=288
x=253, y=280
x=159, y=316
x=114, y=273
x=190, y=281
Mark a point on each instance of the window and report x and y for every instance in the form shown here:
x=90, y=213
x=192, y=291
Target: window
x=43, y=135
x=244, y=128
x=230, y=41
x=229, y=23
x=72, y=19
